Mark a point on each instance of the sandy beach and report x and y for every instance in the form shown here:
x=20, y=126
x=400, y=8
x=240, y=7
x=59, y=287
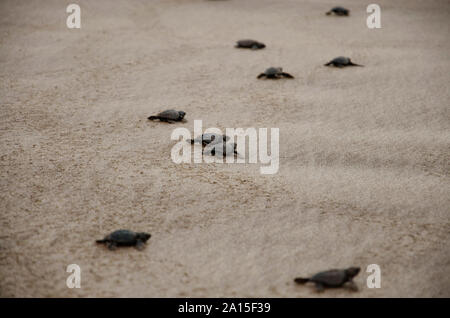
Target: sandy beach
x=364, y=175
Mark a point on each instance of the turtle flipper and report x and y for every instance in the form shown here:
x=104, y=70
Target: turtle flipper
x=300, y=280
x=153, y=118
x=111, y=246
x=319, y=287
x=352, y=286
x=328, y=64
x=261, y=75
x=165, y=120
x=353, y=64
x=140, y=245
x=287, y=75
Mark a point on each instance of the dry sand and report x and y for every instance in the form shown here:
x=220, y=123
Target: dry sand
x=364, y=152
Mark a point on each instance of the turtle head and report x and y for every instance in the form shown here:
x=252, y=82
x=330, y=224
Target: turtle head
x=181, y=114
x=143, y=236
x=352, y=271
x=261, y=45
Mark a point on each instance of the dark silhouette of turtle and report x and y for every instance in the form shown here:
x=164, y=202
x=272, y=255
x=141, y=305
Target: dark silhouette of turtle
x=341, y=61
x=339, y=11
x=332, y=278
x=274, y=73
x=169, y=116
x=208, y=138
x=250, y=44
x=125, y=238
x=221, y=149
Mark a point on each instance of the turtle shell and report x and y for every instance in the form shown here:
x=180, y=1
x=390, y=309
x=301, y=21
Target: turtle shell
x=220, y=149
x=247, y=43
x=172, y=114
x=208, y=138
x=341, y=60
x=340, y=10
x=122, y=237
x=331, y=278
x=273, y=71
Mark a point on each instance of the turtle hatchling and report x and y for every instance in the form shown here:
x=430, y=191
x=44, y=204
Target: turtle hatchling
x=125, y=238
x=275, y=73
x=339, y=11
x=250, y=44
x=169, y=116
x=341, y=61
x=208, y=138
x=221, y=149
x=332, y=278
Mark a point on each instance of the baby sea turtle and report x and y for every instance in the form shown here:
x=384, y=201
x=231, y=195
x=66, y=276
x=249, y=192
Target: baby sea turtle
x=250, y=44
x=209, y=138
x=274, y=73
x=332, y=278
x=125, y=238
x=339, y=11
x=221, y=149
x=169, y=116
x=341, y=61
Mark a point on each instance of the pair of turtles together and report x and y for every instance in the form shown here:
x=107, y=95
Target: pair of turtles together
x=340, y=61
x=271, y=72
x=216, y=144
x=277, y=72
